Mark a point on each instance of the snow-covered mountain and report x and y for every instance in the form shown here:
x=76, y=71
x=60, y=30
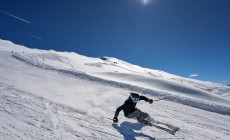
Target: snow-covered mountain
x=61, y=95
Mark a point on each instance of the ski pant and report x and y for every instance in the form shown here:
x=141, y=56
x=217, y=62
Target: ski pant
x=141, y=116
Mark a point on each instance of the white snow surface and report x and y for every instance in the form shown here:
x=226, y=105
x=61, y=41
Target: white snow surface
x=62, y=95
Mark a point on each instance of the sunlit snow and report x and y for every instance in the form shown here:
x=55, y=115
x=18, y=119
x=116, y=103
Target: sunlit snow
x=65, y=95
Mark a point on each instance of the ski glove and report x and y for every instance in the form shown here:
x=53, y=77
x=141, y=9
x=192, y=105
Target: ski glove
x=150, y=101
x=115, y=119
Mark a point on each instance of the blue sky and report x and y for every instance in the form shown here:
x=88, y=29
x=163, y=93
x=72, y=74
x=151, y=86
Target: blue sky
x=182, y=37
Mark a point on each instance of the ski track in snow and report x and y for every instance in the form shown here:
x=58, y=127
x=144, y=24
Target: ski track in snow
x=38, y=118
x=26, y=116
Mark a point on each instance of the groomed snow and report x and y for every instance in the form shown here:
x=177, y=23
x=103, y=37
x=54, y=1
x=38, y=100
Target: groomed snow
x=61, y=95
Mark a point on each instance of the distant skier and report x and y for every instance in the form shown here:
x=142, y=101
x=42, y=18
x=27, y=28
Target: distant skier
x=130, y=110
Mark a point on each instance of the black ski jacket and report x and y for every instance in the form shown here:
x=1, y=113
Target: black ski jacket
x=129, y=106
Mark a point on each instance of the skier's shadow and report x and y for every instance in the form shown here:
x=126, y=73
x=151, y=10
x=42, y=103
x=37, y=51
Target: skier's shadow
x=127, y=130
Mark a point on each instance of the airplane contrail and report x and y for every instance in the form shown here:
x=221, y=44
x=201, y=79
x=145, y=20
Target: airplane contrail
x=15, y=16
x=34, y=36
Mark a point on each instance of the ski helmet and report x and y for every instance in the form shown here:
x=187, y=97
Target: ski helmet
x=135, y=97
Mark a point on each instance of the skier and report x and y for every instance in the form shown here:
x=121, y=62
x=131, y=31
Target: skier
x=130, y=110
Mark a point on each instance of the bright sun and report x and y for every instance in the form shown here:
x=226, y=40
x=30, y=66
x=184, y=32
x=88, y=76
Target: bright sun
x=145, y=2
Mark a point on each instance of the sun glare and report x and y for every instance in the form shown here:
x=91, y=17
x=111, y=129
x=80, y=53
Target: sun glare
x=145, y=2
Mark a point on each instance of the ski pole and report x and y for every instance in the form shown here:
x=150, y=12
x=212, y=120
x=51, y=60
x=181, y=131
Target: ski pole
x=108, y=118
x=165, y=98
x=161, y=99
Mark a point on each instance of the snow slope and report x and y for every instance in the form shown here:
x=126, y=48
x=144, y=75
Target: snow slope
x=61, y=95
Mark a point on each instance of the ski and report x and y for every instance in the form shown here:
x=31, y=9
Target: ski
x=171, y=131
x=168, y=125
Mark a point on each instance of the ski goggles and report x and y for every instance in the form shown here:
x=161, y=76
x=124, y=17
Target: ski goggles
x=135, y=99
